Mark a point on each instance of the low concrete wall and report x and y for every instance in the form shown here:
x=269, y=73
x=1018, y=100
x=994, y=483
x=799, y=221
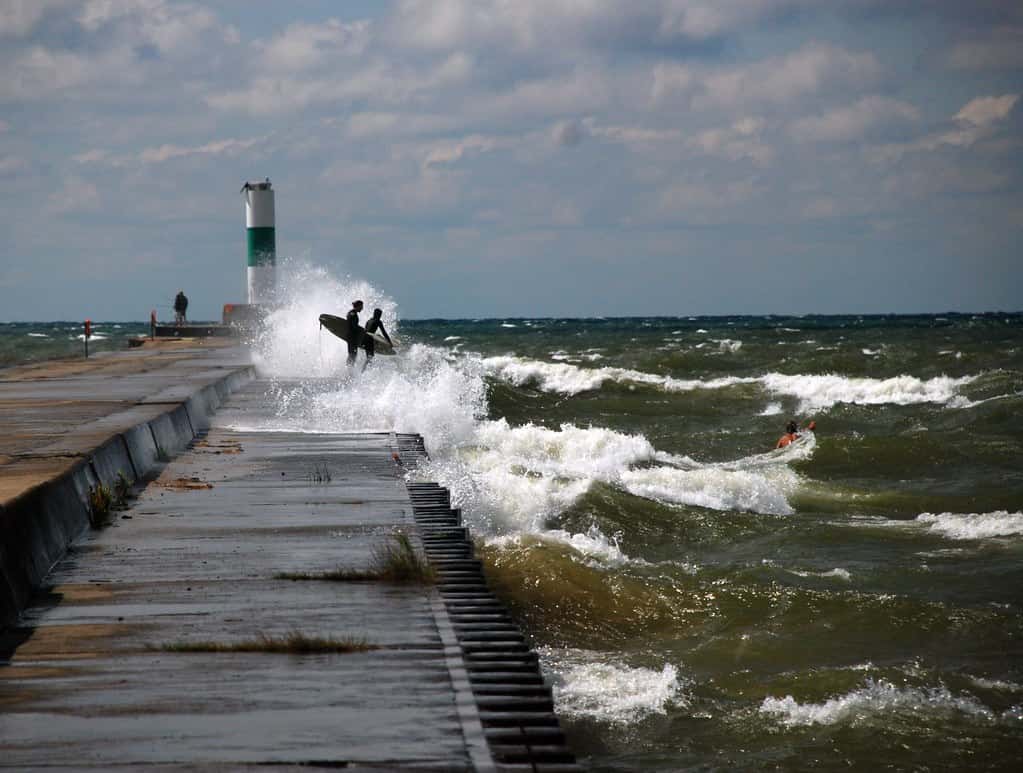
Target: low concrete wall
x=39, y=526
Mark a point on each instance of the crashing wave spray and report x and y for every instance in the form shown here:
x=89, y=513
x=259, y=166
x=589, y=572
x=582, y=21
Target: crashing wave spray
x=289, y=345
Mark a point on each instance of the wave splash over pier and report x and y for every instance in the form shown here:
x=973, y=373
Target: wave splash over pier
x=689, y=587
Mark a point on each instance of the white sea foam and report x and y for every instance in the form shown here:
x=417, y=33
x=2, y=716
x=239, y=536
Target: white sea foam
x=771, y=409
x=453, y=338
x=292, y=344
x=818, y=392
x=563, y=378
x=968, y=526
x=518, y=477
x=586, y=685
x=872, y=702
x=511, y=480
x=728, y=344
x=841, y=574
x=37, y=335
x=603, y=551
x=996, y=684
x=715, y=488
x=815, y=392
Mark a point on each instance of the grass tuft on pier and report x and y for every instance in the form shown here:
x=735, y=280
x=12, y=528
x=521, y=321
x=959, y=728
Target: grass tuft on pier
x=294, y=643
x=394, y=561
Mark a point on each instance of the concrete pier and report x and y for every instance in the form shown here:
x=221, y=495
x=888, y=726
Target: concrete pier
x=127, y=653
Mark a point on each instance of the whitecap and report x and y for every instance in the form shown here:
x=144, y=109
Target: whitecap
x=592, y=545
x=453, y=338
x=714, y=488
x=588, y=685
x=772, y=409
x=876, y=699
x=37, y=335
x=996, y=684
x=1000, y=523
x=819, y=392
x=508, y=324
x=564, y=378
x=838, y=572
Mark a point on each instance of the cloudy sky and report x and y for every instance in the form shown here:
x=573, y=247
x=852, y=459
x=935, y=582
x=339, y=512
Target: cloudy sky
x=516, y=157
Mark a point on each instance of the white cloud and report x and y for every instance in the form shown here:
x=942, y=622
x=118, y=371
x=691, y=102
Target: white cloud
x=786, y=78
x=1002, y=49
x=74, y=195
x=568, y=133
x=738, y=141
x=977, y=120
x=702, y=19
x=853, y=122
x=451, y=152
x=121, y=43
x=672, y=78
x=636, y=136
x=703, y=201
x=19, y=17
x=11, y=165
x=167, y=152
x=308, y=46
x=92, y=156
x=379, y=82
x=549, y=25
x=984, y=111
x=779, y=79
x=228, y=147
x=169, y=27
x=37, y=73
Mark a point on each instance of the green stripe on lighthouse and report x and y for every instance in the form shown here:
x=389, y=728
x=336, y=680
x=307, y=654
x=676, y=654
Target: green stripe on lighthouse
x=262, y=246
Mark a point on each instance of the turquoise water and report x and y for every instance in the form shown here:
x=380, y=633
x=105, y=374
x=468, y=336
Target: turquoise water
x=699, y=599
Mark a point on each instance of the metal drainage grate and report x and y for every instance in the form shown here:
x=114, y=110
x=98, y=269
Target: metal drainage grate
x=515, y=704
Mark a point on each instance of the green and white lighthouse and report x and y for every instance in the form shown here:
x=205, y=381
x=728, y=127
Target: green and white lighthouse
x=262, y=241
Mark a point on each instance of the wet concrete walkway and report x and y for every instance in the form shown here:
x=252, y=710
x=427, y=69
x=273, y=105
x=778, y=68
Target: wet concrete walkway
x=90, y=685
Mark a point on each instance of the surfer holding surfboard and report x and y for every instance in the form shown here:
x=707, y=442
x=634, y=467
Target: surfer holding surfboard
x=369, y=338
x=355, y=332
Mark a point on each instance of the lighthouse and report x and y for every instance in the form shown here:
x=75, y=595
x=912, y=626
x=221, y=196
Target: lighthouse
x=262, y=241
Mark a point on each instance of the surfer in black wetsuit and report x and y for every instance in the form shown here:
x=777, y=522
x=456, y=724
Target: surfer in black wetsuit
x=375, y=324
x=354, y=333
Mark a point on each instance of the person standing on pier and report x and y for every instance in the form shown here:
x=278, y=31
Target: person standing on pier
x=375, y=324
x=180, y=308
x=354, y=332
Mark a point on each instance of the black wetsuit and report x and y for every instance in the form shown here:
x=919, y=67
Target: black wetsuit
x=354, y=335
x=367, y=342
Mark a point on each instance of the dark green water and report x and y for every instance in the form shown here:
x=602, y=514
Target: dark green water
x=36, y=341
x=707, y=603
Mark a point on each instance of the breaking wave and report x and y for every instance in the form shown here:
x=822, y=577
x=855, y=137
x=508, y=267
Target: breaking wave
x=871, y=703
x=814, y=392
x=586, y=686
x=974, y=525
